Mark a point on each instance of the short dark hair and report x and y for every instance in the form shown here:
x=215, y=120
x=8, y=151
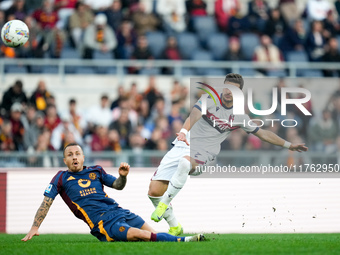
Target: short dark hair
x=104, y=97
x=69, y=145
x=235, y=78
x=78, y=3
x=18, y=83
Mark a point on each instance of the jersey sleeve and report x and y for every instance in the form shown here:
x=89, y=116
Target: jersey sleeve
x=210, y=103
x=250, y=126
x=54, y=187
x=105, y=178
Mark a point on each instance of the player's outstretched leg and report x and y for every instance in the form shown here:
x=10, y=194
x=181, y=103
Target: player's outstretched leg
x=164, y=237
x=176, y=183
x=135, y=234
x=196, y=238
x=176, y=228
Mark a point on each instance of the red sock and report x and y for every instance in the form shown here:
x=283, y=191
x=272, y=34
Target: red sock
x=153, y=237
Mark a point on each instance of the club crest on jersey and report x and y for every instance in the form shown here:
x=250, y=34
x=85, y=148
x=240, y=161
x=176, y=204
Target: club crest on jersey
x=197, y=154
x=121, y=229
x=84, y=183
x=92, y=176
x=231, y=118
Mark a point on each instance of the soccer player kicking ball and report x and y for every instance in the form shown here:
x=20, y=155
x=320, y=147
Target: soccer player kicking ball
x=81, y=188
x=205, y=138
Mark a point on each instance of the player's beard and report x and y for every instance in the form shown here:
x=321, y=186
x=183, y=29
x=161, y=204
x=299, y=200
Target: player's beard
x=227, y=101
x=75, y=168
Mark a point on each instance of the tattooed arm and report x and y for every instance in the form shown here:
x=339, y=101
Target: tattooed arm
x=39, y=217
x=120, y=182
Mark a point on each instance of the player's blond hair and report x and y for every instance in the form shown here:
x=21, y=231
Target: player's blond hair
x=69, y=145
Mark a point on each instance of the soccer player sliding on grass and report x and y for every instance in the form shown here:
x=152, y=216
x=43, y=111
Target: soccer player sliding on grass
x=81, y=188
x=207, y=132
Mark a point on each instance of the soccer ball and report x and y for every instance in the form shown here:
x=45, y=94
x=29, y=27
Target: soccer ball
x=14, y=33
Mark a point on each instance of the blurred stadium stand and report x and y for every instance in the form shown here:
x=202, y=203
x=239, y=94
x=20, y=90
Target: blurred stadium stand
x=201, y=33
x=153, y=158
x=202, y=48
x=204, y=59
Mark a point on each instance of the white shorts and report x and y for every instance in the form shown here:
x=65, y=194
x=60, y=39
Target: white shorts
x=169, y=163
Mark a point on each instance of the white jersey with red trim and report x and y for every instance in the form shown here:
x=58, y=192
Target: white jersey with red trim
x=213, y=128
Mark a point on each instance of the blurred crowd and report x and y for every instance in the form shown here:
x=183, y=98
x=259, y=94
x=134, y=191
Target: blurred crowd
x=133, y=120
x=119, y=27
x=144, y=120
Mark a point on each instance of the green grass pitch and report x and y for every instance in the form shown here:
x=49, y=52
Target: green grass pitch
x=49, y=244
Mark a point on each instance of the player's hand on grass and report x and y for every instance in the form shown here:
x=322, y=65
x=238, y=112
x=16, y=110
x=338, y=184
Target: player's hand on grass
x=298, y=147
x=182, y=137
x=124, y=169
x=33, y=232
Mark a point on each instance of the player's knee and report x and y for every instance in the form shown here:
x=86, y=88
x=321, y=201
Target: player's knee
x=154, y=192
x=184, y=165
x=145, y=235
x=187, y=158
x=193, y=162
x=157, y=188
x=138, y=234
x=151, y=190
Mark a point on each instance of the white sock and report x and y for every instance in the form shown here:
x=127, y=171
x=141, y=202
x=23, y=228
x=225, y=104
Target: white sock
x=169, y=215
x=190, y=239
x=177, y=181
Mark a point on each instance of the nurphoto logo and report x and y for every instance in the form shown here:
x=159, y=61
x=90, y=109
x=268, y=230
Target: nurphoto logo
x=239, y=103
